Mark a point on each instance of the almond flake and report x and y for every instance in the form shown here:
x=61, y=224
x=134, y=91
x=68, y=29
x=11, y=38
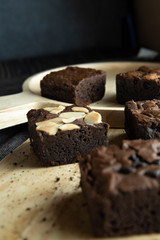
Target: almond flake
x=66, y=127
x=75, y=115
x=68, y=120
x=49, y=127
x=50, y=121
x=57, y=120
x=93, y=118
x=48, y=109
x=80, y=109
x=54, y=110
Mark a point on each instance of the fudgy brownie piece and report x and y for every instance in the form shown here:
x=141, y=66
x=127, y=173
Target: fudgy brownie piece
x=142, y=119
x=74, y=85
x=59, y=134
x=122, y=188
x=148, y=69
x=143, y=84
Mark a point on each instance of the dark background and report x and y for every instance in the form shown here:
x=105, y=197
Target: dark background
x=43, y=27
x=36, y=35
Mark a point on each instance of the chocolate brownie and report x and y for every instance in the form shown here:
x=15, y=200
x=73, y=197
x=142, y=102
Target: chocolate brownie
x=122, y=188
x=142, y=119
x=74, y=85
x=148, y=69
x=143, y=84
x=59, y=134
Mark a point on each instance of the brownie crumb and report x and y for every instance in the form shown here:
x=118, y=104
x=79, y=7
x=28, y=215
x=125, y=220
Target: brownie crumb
x=28, y=209
x=71, y=178
x=57, y=179
x=44, y=219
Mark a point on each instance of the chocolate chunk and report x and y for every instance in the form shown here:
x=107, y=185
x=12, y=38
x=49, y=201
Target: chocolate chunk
x=153, y=174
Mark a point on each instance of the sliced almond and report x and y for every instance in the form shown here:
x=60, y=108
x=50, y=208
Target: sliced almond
x=75, y=115
x=55, y=110
x=66, y=127
x=50, y=121
x=48, y=109
x=68, y=120
x=93, y=118
x=50, y=127
x=57, y=120
x=80, y=109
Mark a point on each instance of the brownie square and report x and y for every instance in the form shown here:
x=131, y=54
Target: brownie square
x=59, y=134
x=122, y=188
x=142, y=119
x=80, y=86
x=149, y=69
x=143, y=84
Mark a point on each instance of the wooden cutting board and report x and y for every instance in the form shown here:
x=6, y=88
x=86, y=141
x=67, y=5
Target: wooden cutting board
x=38, y=203
x=13, y=108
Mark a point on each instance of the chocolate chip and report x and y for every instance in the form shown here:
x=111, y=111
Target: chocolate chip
x=157, y=162
x=137, y=161
x=126, y=170
x=141, y=164
x=153, y=174
x=156, y=129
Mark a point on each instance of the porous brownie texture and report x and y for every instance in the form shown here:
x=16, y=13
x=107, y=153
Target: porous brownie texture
x=143, y=84
x=74, y=85
x=142, y=119
x=122, y=188
x=59, y=135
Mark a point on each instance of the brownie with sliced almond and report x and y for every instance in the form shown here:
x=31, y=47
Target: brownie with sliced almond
x=59, y=134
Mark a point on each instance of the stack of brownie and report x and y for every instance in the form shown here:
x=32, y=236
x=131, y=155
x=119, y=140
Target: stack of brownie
x=140, y=91
x=59, y=134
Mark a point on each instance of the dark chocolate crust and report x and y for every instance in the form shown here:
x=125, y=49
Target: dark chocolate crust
x=122, y=188
x=142, y=119
x=143, y=84
x=80, y=86
x=64, y=146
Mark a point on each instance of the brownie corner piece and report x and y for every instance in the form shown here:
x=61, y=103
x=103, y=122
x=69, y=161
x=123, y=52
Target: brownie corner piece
x=138, y=85
x=122, y=188
x=77, y=85
x=142, y=119
x=60, y=134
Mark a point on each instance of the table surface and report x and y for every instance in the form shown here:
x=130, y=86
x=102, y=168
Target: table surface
x=40, y=203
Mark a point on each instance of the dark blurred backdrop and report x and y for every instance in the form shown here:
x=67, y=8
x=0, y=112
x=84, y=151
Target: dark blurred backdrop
x=43, y=27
